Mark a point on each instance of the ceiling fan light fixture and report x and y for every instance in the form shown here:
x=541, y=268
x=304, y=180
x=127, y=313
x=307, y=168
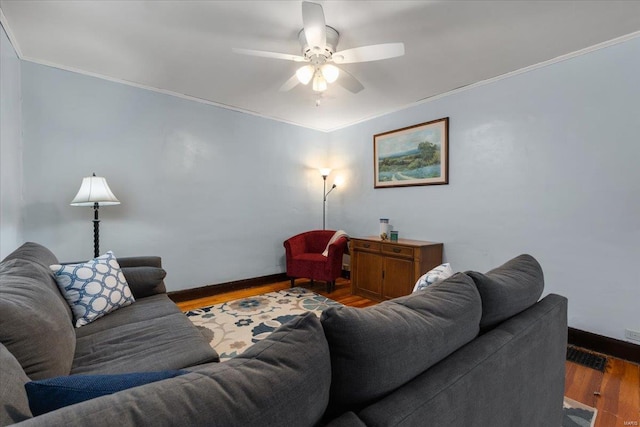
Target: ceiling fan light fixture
x=319, y=83
x=305, y=74
x=330, y=72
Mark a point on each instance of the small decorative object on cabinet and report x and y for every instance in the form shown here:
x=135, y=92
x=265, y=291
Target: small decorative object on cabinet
x=383, y=270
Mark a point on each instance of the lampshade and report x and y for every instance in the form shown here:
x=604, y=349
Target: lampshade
x=94, y=189
x=330, y=72
x=325, y=171
x=305, y=74
x=319, y=83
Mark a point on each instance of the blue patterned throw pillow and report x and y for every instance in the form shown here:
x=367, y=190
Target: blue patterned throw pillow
x=93, y=288
x=437, y=274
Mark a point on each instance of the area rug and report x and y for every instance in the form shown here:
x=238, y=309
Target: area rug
x=576, y=414
x=234, y=326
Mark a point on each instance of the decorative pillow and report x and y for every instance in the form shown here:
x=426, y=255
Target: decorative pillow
x=437, y=274
x=93, y=288
x=55, y=393
x=338, y=234
x=509, y=289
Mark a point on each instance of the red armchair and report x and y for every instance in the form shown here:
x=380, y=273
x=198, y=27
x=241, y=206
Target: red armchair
x=304, y=257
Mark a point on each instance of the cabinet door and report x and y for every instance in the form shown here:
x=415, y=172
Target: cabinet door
x=368, y=273
x=398, y=277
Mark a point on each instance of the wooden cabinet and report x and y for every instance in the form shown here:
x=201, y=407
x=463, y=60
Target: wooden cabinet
x=383, y=269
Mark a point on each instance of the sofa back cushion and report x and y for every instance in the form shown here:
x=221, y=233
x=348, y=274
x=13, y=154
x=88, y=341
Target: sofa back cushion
x=509, y=289
x=145, y=281
x=35, y=322
x=42, y=259
x=377, y=349
x=14, y=406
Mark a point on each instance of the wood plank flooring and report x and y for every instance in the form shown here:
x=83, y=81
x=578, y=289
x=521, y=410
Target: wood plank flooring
x=614, y=393
x=342, y=294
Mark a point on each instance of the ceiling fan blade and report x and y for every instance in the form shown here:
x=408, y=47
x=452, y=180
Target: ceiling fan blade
x=289, y=84
x=373, y=52
x=347, y=81
x=274, y=55
x=315, y=30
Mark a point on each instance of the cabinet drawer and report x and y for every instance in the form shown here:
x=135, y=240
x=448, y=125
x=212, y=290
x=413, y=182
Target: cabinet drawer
x=402, y=251
x=366, y=245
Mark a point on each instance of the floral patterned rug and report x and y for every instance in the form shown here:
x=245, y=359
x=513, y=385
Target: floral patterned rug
x=234, y=326
x=576, y=414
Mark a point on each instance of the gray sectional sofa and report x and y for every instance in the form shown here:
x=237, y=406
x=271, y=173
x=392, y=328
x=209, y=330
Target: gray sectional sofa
x=475, y=349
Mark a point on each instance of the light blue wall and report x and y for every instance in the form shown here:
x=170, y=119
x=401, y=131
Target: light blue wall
x=544, y=162
x=213, y=191
x=10, y=148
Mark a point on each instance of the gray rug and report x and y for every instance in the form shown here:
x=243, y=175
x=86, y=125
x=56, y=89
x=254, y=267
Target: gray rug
x=576, y=414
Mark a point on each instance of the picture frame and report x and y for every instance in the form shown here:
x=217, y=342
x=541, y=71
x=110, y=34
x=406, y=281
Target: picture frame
x=413, y=155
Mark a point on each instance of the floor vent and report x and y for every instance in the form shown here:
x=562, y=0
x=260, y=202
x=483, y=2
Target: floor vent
x=593, y=361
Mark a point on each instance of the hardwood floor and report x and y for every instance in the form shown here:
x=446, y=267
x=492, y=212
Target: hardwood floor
x=342, y=294
x=614, y=393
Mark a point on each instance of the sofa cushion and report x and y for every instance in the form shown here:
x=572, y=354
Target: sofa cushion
x=282, y=380
x=145, y=281
x=34, y=322
x=152, y=334
x=54, y=393
x=42, y=259
x=509, y=289
x=152, y=307
x=14, y=406
x=35, y=252
x=377, y=349
x=93, y=288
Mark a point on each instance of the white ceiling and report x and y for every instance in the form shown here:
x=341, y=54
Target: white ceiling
x=184, y=47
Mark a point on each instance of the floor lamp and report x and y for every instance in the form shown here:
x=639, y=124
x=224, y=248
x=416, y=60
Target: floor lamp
x=94, y=191
x=325, y=173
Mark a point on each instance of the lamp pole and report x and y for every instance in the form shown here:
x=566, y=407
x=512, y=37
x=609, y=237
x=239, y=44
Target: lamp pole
x=96, y=231
x=324, y=200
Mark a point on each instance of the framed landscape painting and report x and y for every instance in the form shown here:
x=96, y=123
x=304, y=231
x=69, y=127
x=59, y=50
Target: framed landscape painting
x=415, y=155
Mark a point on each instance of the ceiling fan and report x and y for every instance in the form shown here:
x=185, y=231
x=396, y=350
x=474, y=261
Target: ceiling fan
x=319, y=42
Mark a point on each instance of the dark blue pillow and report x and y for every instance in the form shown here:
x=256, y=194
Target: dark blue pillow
x=55, y=393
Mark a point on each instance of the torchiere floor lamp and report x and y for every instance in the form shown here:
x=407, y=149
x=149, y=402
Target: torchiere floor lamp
x=325, y=173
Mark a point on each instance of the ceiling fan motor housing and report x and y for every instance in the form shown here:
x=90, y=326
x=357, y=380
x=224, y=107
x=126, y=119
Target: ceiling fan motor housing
x=325, y=53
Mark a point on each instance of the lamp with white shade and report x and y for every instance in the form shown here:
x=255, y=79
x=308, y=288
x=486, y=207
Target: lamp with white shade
x=94, y=191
